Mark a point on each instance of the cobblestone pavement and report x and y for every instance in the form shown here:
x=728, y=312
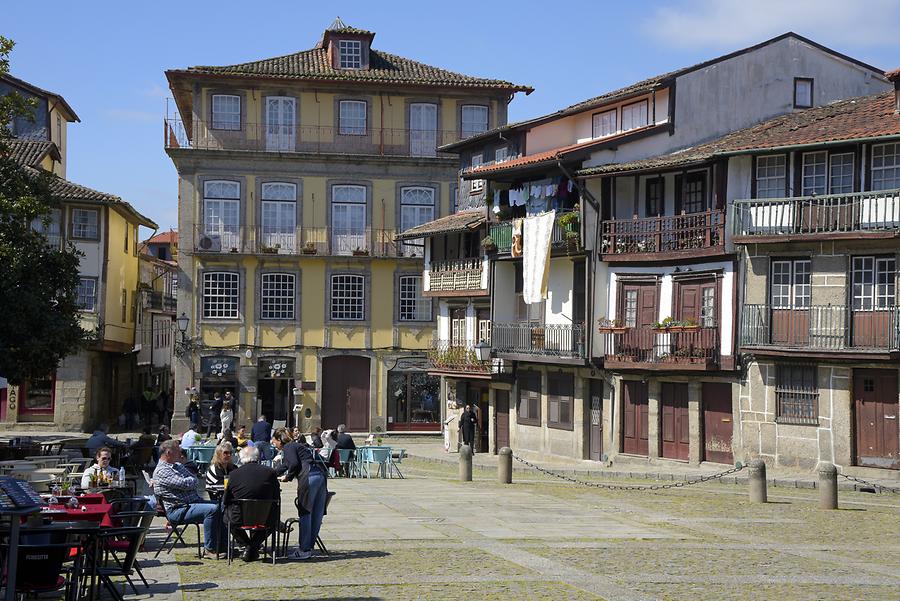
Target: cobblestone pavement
x=431, y=537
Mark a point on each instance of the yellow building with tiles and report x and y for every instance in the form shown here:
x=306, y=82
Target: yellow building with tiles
x=295, y=175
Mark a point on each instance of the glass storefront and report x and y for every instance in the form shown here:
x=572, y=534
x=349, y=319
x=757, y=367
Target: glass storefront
x=413, y=401
x=38, y=396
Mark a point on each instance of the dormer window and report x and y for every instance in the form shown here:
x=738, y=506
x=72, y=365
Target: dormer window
x=803, y=92
x=350, y=54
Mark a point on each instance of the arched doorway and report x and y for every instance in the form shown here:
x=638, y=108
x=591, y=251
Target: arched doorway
x=345, y=392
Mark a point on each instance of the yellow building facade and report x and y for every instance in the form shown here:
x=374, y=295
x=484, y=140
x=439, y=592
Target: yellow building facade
x=295, y=175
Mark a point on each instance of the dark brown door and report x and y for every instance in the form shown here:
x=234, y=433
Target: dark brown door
x=635, y=418
x=717, y=422
x=877, y=436
x=501, y=419
x=674, y=418
x=595, y=420
x=639, y=313
x=345, y=393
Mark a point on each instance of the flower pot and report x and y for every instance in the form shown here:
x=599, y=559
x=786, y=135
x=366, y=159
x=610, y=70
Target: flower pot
x=309, y=251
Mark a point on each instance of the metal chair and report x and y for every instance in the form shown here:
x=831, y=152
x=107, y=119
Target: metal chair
x=290, y=523
x=128, y=505
x=133, y=537
x=131, y=519
x=349, y=462
x=178, y=530
x=256, y=515
x=40, y=569
x=381, y=456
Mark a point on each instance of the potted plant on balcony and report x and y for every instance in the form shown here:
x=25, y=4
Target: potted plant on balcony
x=573, y=242
x=309, y=248
x=269, y=250
x=690, y=325
x=669, y=324
x=570, y=221
x=611, y=326
x=488, y=245
x=360, y=252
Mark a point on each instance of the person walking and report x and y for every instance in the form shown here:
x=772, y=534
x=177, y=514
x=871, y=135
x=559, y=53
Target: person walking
x=192, y=411
x=468, y=423
x=214, y=412
x=312, y=488
x=226, y=417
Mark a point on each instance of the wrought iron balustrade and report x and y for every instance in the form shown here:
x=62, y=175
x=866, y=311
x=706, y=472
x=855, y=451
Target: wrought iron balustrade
x=280, y=240
x=454, y=355
x=553, y=340
x=676, y=346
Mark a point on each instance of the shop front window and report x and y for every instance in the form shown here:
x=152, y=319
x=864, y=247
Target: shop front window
x=413, y=401
x=38, y=397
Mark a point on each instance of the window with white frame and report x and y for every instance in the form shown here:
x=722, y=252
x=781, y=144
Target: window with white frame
x=886, y=166
x=501, y=154
x=604, y=124
x=634, y=115
x=226, y=111
x=770, y=176
x=413, y=306
x=803, y=92
x=474, y=119
x=279, y=215
x=85, y=224
x=874, y=283
x=221, y=295
x=840, y=173
x=221, y=211
x=86, y=294
x=631, y=300
x=348, y=297
x=476, y=186
x=353, y=117
x=277, y=293
x=814, y=178
x=351, y=54
x=416, y=208
x=790, y=284
x=708, y=307
x=348, y=219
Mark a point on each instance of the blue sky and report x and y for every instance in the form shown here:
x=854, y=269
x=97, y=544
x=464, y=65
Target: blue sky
x=108, y=58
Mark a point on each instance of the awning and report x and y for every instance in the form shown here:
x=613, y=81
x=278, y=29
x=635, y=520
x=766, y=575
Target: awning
x=457, y=222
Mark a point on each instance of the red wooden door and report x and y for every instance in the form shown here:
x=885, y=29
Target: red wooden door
x=674, y=418
x=345, y=392
x=635, y=418
x=717, y=422
x=501, y=419
x=639, y=312
x=877, y=436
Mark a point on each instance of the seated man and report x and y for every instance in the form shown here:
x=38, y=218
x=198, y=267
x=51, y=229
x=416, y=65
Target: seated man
x=101, y=472
x=345, y=441
x=176, y=487
x=189, y=438
x=242, y=437
x=250, y=481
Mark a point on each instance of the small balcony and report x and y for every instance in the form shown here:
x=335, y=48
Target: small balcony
x=501, y=233
x=325, y=241
x=659, y=238
x=261, y=137
x=825, y=328
x=457, y=277
x=660, y=349
x=835, y=217
x=154, y=299
x=548, y=343
x=450, y=357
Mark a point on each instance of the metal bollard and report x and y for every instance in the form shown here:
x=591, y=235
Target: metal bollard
x=465, y=463
x=757, y=475
x=504, y=466
x=828, y=489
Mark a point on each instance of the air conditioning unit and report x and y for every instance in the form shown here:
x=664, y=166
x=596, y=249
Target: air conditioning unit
x=209, y=243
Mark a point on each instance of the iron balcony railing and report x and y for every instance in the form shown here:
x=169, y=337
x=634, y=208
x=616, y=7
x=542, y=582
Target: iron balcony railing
x=154, y=299
x=678, y=346
x=821, y=327
x=328, y=241
x=859, y=212
x=457, y=356
x=455, y=275
x=264, y=137
x=501, y=233
x=546, y=340
x=687, y=232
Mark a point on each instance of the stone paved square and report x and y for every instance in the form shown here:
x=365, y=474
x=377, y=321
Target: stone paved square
x=432, y=537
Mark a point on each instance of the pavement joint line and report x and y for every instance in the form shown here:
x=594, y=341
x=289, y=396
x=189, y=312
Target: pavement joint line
x=764, y=579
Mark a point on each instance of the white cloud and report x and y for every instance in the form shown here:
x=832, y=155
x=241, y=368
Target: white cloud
x=732, y=23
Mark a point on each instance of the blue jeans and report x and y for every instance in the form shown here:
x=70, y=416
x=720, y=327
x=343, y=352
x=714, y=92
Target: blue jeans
x=205, y=512
x=312, y=521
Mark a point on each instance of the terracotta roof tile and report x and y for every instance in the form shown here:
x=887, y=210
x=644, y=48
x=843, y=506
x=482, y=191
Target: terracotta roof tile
x=854, y=118
x=455, y=222
x=169, y=237
x=893, y=75
x=30, y=153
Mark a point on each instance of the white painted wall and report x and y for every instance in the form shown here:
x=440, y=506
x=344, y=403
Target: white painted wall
x=559, y=292
x=504, y=299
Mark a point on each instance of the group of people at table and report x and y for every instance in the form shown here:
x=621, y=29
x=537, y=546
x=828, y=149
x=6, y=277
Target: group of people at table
x=175, y=481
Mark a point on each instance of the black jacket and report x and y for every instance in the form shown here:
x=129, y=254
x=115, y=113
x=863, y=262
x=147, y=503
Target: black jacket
x=316, y=441
x=261, y=432
x=250, y=481
x=467, y=422
x=299, y=460
x=345, y=441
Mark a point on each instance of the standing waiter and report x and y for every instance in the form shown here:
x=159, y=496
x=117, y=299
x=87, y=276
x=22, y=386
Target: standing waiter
x=468, y=422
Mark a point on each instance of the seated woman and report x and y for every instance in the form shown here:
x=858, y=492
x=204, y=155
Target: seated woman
x=221, y=465
x=101, y=472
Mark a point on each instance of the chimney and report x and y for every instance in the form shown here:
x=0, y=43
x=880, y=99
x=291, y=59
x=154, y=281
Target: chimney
x=894, y=76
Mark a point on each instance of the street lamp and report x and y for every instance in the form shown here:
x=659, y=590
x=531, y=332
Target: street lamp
x=483, y=351
x=185, y=344
x=183, y=322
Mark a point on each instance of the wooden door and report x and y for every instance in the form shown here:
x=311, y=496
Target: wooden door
x=638, y=310
x=635, y=418
x=674, y=417
x=595, y=423
x=877, y=440
x=345, y=393
x=717, y=422
x=501, y=419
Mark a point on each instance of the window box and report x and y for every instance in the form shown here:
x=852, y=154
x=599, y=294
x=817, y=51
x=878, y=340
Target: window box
x=309, y=249
x=359, y=252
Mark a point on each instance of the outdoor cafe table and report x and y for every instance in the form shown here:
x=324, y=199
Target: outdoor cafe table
x=91, y=508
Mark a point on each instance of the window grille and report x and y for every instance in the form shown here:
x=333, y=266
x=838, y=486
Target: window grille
x=770, y=176
x=351, y=54
x=221, y=295
x=277, y=296
x=413, y=306
x=796, y=395
x=84, y=224
x=348, y=298
x=886, y=166
x=814, y=168
x=353, y=117
x=86, y=294
x=226, y=112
